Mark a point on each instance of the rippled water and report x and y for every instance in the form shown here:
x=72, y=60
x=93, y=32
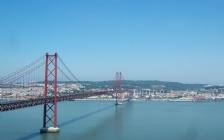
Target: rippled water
x=101, y=120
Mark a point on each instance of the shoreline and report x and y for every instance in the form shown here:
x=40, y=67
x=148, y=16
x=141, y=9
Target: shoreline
x=166, y=100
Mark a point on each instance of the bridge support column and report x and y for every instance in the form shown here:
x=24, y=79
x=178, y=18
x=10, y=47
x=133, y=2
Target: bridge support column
x=118, y=89
x=50, y=89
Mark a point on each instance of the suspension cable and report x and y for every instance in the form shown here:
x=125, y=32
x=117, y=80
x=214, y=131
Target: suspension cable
x=69, y=70
x=21, y=70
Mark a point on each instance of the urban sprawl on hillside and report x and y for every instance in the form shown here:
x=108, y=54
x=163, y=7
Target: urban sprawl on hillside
x=131, y=90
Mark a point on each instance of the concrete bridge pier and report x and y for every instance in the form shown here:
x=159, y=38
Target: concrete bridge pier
x=49, y=130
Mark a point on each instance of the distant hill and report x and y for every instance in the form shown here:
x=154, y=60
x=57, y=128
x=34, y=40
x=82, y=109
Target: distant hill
x=144, y=84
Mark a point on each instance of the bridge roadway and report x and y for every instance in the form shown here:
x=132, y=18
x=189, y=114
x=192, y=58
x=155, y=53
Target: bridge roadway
x=14, y=105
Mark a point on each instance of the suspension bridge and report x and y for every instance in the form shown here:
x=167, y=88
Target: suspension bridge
x=28, y=79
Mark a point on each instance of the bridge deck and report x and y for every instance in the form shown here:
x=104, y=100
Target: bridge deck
x=14, y=105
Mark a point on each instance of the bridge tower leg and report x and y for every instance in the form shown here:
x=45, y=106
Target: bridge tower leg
x=118, y=88
x=50, y=89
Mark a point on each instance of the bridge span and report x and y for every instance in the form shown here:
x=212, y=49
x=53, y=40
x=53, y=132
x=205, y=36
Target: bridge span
x=49, y=92
x=14, y=105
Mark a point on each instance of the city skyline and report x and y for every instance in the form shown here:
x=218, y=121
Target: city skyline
x=179, y=41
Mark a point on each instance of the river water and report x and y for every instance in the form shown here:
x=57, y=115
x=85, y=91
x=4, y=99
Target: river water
x=134, y=120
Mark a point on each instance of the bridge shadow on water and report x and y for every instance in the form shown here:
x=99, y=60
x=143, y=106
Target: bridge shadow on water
x=37, y=133
x=84, y=116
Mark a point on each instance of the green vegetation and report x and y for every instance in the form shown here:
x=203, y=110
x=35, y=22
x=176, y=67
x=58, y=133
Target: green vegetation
x=143, y=84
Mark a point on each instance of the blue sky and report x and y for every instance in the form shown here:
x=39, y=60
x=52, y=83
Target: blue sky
x=168, y=40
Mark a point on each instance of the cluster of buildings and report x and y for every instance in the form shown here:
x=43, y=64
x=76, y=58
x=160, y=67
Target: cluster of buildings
x=179, y=96
x=36, y=91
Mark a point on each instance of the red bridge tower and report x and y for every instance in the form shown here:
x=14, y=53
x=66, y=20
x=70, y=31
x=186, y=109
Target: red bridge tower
x=50, y=89
x=118, y=88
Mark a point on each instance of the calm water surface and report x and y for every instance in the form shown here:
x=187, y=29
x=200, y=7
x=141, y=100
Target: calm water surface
x=101, y=120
